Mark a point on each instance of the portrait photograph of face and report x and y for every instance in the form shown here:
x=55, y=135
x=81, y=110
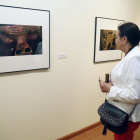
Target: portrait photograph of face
x=107, y=40
x=24, y=39
x=16, y=40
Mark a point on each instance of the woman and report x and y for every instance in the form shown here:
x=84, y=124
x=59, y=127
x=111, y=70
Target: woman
x=124, y=89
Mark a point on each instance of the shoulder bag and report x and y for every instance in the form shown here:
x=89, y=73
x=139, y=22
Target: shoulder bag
x=113, y=118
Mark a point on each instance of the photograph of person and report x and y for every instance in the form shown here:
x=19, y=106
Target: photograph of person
x=16, y=40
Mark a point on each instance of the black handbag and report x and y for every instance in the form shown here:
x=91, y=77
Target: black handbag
x=113, y=118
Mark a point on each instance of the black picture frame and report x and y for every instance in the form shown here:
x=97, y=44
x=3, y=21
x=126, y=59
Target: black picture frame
x=105, y=25
x=14, y=63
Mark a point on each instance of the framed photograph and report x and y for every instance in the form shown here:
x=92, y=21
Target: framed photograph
x=24, y=39
x=105, y=48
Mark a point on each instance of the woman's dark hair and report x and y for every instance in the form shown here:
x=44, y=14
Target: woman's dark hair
x=131, y=31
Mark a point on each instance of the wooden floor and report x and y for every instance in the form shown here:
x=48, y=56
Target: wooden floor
x=96, y=134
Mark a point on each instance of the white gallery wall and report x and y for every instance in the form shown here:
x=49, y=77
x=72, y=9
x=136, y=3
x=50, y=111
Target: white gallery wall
x=50, y=103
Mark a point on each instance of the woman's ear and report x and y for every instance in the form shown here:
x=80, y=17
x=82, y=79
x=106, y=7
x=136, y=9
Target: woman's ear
x=124, y=39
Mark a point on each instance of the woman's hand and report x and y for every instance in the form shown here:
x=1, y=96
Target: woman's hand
x=105, y=87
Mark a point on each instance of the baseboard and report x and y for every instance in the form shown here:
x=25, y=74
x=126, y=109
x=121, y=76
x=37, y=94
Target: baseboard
x=74, y=134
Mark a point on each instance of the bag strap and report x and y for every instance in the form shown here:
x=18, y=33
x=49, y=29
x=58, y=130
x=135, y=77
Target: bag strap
x=132, y=111
x=104, y=128
x=104, y=131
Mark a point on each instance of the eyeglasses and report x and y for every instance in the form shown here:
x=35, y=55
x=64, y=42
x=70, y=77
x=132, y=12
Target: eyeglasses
x=19, y=51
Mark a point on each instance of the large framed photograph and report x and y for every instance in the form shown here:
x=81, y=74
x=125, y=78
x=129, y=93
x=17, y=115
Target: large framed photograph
x=105, y=48
x=24, y=39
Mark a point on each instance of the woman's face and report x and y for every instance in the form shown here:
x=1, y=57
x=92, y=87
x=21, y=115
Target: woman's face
x=119, y=41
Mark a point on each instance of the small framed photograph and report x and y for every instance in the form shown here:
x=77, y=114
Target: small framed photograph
x=105, y=48
x=24, y=39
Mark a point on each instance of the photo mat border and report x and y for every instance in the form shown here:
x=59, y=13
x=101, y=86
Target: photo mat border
x=95, y=40
x=48, y=40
